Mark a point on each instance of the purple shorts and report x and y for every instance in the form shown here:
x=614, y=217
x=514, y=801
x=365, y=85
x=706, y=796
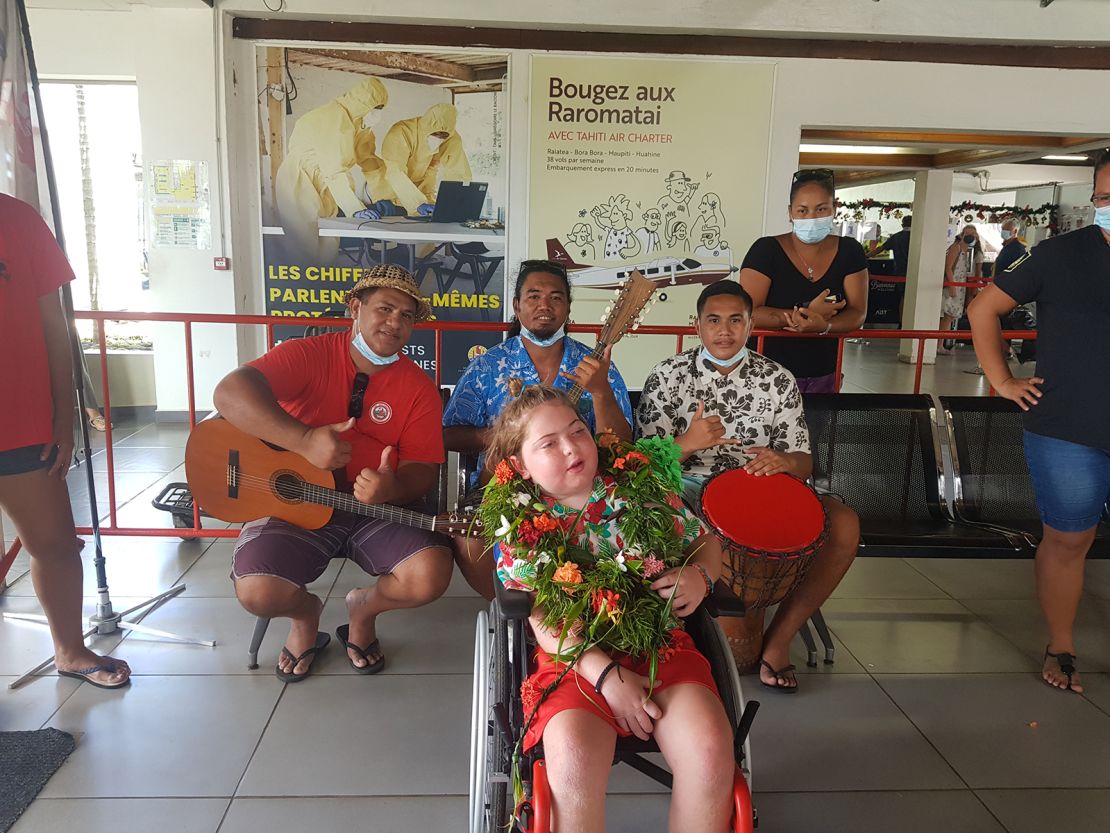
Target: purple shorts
x=272, y=547
x=818, y=384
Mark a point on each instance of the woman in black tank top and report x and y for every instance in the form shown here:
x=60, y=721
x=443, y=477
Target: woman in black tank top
x=807, y=281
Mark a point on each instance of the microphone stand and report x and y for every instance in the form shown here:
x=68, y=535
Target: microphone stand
x=107, y=620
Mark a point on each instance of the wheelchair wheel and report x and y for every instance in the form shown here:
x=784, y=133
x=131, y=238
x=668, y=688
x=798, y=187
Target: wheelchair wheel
x=490, y=805
x=712, y=642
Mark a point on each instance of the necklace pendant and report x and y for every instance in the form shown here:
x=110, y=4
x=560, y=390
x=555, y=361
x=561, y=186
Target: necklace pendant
x=810, y=270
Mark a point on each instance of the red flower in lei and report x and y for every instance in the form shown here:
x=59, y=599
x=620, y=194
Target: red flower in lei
x=503, y=473
x=545, y=523
x=530, y=694
x=609, y=598
x=527, y=533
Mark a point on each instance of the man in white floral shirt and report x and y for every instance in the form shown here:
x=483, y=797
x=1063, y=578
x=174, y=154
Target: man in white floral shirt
x=728, y=407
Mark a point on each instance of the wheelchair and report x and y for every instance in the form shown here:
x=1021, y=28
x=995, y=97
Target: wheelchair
x=502, y=657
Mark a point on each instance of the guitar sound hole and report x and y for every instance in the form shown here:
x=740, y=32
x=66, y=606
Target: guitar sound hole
x=288, y=487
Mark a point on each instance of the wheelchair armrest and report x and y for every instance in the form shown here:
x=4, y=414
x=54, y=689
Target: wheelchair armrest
x=513, y=604
x=723, y=602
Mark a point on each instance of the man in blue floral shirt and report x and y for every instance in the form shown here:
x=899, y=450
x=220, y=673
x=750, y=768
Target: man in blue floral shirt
x=537, y=352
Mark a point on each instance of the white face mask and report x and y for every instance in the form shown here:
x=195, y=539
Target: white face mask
x=434, y=142
x=813, y=230
x=542, y=342
x=372, y=119
x=1007, y=234
x=367, y=353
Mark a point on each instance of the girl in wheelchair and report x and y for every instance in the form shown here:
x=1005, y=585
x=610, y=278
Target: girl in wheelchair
x=583, y=693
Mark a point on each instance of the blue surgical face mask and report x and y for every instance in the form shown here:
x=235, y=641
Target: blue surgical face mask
x=364, y=349
x=542, y=342
x=729, y=362
x=1102, y=217
x=813, y=230
x=1007, y=234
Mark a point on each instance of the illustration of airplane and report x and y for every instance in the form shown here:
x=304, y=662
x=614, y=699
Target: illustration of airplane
x=665, y=271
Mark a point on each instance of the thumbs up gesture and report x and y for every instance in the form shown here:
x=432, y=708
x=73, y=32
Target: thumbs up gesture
x=704, y=432
x=323, y=447
x=377, y=486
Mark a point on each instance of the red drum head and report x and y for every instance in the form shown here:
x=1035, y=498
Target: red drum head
x=777, y=513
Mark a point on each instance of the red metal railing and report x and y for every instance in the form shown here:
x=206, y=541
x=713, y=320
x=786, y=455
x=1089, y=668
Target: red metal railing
x=187, y=320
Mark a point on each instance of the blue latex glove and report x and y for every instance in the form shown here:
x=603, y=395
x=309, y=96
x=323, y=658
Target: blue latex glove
x=367, y=214
x=425, y=209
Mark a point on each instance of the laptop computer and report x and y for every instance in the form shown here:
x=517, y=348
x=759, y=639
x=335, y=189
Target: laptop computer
x=458, y=202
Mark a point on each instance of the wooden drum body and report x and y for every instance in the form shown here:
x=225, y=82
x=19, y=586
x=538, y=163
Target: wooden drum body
x=771, y=529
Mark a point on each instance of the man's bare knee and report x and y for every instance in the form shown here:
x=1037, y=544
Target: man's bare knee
x=426, y=575
x=844, y=527
x=267, y=596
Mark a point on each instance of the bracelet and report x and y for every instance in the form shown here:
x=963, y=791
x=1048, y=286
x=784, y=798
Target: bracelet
x=708, y=580
x=605, y=673
x=828, y=327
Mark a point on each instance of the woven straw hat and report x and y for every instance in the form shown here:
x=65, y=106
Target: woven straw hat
x=393, y=277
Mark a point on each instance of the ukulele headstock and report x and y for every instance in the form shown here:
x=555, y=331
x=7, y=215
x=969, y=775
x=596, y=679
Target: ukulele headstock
x=628, y=308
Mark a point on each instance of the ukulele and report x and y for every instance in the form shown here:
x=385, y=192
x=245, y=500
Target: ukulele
x=625, y=313
x=236, y=477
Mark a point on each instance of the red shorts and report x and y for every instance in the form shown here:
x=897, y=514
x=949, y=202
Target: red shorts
x=683, y=663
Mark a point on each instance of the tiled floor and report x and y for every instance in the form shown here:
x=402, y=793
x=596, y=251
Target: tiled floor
x=933, y=717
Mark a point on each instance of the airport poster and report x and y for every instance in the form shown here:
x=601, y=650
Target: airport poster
x=647, y=163
x=381, y=155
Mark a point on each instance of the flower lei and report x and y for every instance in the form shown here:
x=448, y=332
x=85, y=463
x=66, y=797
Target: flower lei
x=605, y=599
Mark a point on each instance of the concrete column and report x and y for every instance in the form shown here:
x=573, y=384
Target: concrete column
x=925, y=276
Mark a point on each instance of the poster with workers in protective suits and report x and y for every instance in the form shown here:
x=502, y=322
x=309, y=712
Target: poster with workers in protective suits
x=384, y=156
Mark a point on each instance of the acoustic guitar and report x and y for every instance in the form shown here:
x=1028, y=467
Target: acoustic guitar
x=237, y=478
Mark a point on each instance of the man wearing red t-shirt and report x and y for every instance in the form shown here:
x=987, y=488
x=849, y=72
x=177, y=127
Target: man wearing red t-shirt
x=36, y=432
x=348, y=401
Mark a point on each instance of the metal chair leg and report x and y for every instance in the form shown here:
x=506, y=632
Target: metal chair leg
x=811, y=646
x=260, y=625
x=826, y=637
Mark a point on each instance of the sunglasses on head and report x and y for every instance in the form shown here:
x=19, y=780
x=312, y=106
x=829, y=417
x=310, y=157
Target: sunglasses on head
x=528, y=266
x=358, y=394
x=814, y=175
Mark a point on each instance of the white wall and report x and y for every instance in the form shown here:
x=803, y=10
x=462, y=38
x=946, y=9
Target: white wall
x=171, y=56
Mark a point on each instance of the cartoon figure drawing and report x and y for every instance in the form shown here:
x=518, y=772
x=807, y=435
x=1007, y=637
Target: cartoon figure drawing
x=679, y=238
x=712, y=248
x=614, y=216
x=581, y=242
x=675, y=205
x=710, y=212
x=648, y=233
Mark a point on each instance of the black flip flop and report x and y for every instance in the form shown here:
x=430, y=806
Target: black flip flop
x=322, y=640
x=780, y=674
x=343, y=632
x=1066, y=662
x=84, y=674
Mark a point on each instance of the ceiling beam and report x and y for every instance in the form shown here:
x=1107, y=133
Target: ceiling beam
x=968, y=52
x=879, y=161
x=398, y=61
x=906, y=137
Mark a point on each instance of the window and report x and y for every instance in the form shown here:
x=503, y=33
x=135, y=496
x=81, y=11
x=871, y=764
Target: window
x=97, y=154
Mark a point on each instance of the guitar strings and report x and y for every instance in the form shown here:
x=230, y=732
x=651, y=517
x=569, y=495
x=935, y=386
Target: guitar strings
x=339, y=500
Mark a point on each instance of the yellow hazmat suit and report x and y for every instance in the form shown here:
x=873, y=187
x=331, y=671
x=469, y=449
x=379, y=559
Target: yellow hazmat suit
x=405, y=147
x=383, y=180
x=314, y=180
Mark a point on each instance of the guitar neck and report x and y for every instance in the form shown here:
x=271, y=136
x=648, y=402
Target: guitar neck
x=576, y=391
x=348, y=503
